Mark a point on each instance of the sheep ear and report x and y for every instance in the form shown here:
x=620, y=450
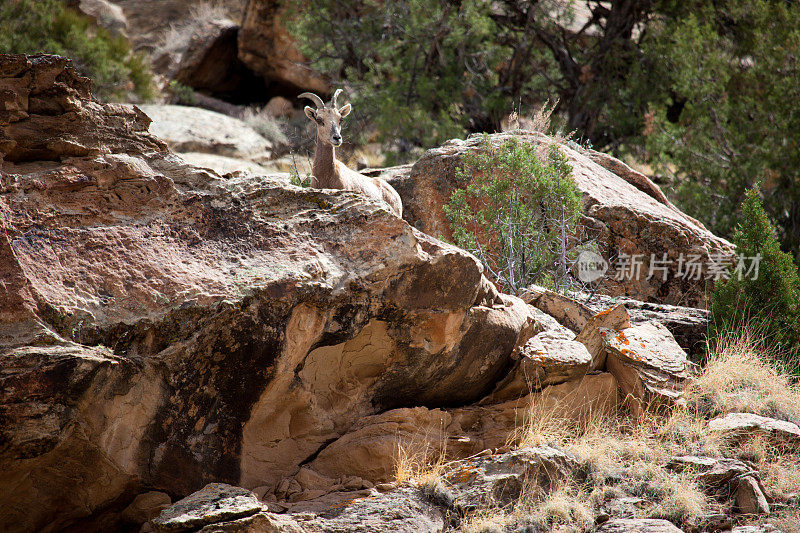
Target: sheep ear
x=345, y=110
x=310, y=113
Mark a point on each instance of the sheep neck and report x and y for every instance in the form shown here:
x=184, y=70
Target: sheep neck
x=324, y=167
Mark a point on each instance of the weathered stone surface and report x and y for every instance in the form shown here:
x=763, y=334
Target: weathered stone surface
x=637, y=179
x=569, y=312
x=548, y=358
x=729, y=476
x=370, y=448
x=649, y=365
x=712, y=472
x=268, y=49
x=225, y=165
x=497, y=481
x=191, y=129
x=402, y=510
x=638, y=525
x=216, y=502
x=736, y=424
x=750, y=497
x=162, y=328
x=687, y=324
x=624, y=218
x=591, y=336
x=145, y=507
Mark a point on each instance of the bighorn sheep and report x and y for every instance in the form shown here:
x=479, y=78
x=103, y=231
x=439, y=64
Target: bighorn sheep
x=330, y=173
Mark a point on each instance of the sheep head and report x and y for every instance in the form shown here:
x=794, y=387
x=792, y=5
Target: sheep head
x=327, y=117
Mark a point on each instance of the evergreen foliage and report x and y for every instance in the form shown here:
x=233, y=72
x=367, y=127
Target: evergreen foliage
x=48, y=26
x=517, y=213
x=730, y=113
x=423, y=72
x=768, y=304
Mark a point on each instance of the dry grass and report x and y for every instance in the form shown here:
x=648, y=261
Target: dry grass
x=741, y=375
x=566, y=508
x=419, y=462
x=267, y=126
x=624, y=457
x=177, y=38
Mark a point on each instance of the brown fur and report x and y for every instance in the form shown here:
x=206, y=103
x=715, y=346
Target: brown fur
x=330, y=173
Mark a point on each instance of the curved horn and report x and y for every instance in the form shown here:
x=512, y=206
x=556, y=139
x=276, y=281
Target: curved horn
x=316, y=99
x=333, y=100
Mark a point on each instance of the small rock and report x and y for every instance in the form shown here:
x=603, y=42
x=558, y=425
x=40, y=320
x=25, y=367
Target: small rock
x=498, y=480
x=216, y=502
x=750, y=497
x=649, y=365
x=278, y=106
x=615, y=319
x=638, y=525
x=742, y=423
x=548, y=358
x=712, y=472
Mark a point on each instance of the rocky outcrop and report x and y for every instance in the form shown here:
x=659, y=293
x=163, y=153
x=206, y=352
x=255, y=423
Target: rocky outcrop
x=163, y=328
x=191, y=129
x=687, y=324
x=267, y=48
x=625, y=216
x=737, y=425
x=650, y=367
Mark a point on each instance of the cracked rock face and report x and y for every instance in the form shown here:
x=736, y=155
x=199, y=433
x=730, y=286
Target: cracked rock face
x=626, y=211
x=162, y=328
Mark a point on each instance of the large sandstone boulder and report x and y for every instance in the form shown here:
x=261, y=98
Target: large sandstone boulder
x=162, y=328
x=626, y=213
x=687, y=324
x=267, y=48
x=191, y=129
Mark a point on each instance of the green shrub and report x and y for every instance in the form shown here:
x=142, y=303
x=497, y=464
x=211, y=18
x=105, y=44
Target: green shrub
x=182, y=94
x=47, y=26
x=768, y=304
x=422, y=72
x=730, y=114
x=517, y=213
